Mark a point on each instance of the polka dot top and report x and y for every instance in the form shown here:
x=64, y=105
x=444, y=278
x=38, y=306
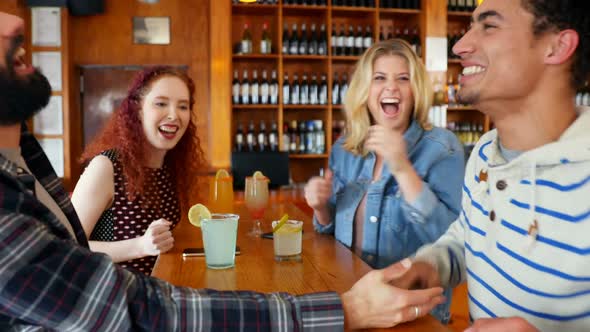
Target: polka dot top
x=127, y=219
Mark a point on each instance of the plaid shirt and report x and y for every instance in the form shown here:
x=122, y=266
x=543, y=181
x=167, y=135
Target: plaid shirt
x=50, y=281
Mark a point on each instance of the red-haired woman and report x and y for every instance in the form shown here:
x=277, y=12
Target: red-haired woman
x=142, y=168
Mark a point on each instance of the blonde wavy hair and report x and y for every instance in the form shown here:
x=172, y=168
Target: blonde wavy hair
x=358, y=116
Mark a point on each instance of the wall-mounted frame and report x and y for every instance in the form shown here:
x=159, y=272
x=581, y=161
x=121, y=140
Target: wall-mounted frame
x=151, y=30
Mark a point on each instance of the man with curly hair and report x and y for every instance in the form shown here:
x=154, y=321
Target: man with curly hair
x=521, y=240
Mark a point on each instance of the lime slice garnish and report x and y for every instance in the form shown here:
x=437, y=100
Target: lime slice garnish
x=258, y=175
x=198, y=212
x=221, y=174
x=281, y=223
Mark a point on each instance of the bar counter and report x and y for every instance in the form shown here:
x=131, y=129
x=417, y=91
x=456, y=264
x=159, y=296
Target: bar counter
x=326, y=264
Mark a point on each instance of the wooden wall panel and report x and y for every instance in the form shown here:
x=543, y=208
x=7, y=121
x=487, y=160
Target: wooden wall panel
x=106, y=39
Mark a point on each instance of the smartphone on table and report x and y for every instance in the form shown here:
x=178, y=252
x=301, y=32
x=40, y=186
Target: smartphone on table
x=196, y=252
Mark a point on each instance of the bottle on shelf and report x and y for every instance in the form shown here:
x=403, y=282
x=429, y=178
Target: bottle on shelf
x=322, y=43
x=235, y=91
x=274, y=88
x=313, y=90
x=246, y=43
x=341, y=42
x=303, y=40
x=294, y=137
x=304, y=91
x=343, y=87
x=264, y=89
x=320, y=137
x=389, y=33
x=323, y=91
x=254, y=88
x=239, y=138
x=452, y=5
x=312, y=45
x=358, y=41
x=294, y=42
x=286, y=138
x=265, y=41
x=245, y=88
x=335, y=90
x=334, y=41
x=302, y=136
x=273, y=137
x=451, y=99
x=349, y=41
x=310, y=137
x=251, y=138
x=286, y=90
x=381, y=35
x=295, y=91
x=368, y=39
x=415, y=42
x=262, y=139
x=286, y=39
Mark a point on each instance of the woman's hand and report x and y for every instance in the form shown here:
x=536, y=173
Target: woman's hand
x=317, y=192
x=157, y=238
x=390, y=145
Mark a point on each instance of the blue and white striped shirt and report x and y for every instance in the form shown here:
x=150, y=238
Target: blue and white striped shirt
x=522, y=239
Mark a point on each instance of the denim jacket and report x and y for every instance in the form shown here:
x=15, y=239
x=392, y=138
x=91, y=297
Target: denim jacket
x=394, y=228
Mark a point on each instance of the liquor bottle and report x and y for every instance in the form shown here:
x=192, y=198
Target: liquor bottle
x=337, y=2
x=262, y=138
x=313, y=90
x=389, y=33
x=310, y=137
x=320, y=137
x=273, y=137
x=304, y=91
x=323, y=91
x=274, y=88
x=246, y=43
x=235, y=91
x=370, y=3
x=301, y=139
x=295, y=90
x=239, y=139
x=335, y=90
x=294, y=138
x=452, y=5
x=349, y=41
x=322, y=44
x=286, y=90
x=303, y=40
x=461, y=5
x=343, y=88
x=334, y=40
x=312, y=46
x=254, y=88
x=251, y=138
x=341, y=42
x=415, y=42
x=387, y=3
x=286, y=138
x=451, y=93
x=381, y=36
x=286, y=39
x=245, y=88
x=294, y=42
x=358, y=41
x=407, y=36
x=265, y=42
x=264, y=89
x=368, y=40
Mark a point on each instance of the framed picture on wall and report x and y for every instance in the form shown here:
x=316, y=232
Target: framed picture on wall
x=151, y=30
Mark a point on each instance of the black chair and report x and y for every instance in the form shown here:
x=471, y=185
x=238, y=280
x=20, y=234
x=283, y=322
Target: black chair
x=274, y=165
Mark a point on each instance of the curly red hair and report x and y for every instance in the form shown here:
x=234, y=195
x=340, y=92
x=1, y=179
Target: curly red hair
x=124, y=133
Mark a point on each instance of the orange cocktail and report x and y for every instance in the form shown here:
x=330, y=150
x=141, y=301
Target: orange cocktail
x=221, y=193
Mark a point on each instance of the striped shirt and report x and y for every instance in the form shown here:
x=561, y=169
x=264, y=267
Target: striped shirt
x=51, y=281
x=522, y=240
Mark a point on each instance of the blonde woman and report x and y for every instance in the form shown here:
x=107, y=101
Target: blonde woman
x=395, y=181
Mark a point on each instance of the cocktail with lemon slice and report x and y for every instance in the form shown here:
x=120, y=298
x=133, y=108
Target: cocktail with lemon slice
x=220, y=231
x=256, y=197
x=287, y=240
x=221, y=192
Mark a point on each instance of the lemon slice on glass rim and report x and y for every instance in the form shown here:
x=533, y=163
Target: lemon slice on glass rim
x=221, y=174
x=198, y=212
x=258, y=175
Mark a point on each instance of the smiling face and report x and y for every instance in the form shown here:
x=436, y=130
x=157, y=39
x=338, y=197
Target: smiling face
x=165, y=113
x=390, y=100
x=501, y=58
x=23, y=89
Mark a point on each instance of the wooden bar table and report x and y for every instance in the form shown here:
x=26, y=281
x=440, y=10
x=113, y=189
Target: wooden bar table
x=326, y=264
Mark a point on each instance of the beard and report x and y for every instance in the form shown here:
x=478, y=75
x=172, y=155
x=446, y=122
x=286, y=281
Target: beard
x=21, y=97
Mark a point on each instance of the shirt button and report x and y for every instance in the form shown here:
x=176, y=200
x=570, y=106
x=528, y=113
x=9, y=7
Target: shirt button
x=373, y=219
x=492, y=215
x=501, y=185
